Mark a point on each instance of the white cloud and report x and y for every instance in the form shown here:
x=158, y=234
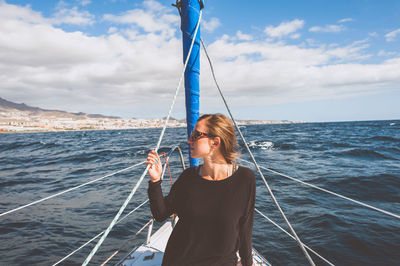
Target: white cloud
x=112, y=30
x=63, y=15
x=11, y=12
x=354, y=51
x=72, y=16
x=85, y=2
x=327, y=28
x=295, y=36
x=373, y=34
x=210, y=25
x=133, y=70
x=345, y=20
x=391, y=36
x=48, y=67
x=149, y=20
x=384, y=53
x=275, y=73
x=284, y=29
x=153, y=5
x=243, y=37
x=312, y=43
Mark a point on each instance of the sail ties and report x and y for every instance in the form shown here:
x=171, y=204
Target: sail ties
x=256, y=165
x=178, y=5
x=113, y=222
x=166, y=162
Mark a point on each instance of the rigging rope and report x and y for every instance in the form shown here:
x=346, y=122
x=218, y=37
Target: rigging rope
x=127, y=241
x=255, y=163
x=88, y=242
x=87, y=260
x=328, y=191
x=68, y=190
x=315, y=253
x=167, y=158
x=166, y=162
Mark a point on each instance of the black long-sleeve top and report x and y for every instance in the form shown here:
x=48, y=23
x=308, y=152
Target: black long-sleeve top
x=215, y=218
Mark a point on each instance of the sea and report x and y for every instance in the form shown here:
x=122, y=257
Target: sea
x=360, y=160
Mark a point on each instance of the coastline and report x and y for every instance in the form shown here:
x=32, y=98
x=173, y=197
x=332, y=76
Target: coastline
x=40, y=125
x=21, y=118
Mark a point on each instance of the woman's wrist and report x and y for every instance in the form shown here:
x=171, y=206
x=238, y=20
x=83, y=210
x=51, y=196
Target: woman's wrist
x=155, y=180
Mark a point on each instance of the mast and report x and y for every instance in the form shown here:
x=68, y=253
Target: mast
x=189, y=11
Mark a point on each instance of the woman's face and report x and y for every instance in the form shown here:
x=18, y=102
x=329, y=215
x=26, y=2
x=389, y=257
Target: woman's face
x=200, y=147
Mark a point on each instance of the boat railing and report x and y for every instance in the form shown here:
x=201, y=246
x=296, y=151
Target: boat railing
x=150, y=223
x=101, y=233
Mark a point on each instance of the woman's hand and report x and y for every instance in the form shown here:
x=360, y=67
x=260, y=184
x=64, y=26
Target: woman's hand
x=155, y=169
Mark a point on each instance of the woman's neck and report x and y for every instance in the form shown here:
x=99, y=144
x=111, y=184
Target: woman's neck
x=216, y=170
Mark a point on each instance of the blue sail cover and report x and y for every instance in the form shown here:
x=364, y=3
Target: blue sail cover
x=190, y=10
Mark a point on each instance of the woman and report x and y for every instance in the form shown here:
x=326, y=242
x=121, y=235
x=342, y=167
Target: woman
x=214, y=201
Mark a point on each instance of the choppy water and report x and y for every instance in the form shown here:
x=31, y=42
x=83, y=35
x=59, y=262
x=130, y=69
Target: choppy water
x=358, y=159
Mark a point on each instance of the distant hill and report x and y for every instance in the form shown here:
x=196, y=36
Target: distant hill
x=8, y=106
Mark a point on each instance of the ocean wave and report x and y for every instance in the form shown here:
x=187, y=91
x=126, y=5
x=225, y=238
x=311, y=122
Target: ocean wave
x=356, y=165
x=88, y=156
x=29, y=146
x=263, y=145
x=385, y=138
x=284, y=146
x=80, y=171
x=341, y=145
x=18, y=145
x=268, y=145
x=47, y=145
x=325, y=220
x=383, y=187
x=393, y=149
x=16, y=182
x=365, y=154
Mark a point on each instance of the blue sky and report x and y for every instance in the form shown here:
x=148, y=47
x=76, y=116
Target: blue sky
x=278, y=60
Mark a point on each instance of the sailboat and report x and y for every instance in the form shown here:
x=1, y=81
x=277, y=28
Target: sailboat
x=150, y=252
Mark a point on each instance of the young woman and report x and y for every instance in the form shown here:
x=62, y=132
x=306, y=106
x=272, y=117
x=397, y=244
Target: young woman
x=214, y=201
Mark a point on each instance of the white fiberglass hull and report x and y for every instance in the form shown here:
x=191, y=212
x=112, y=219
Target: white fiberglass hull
x=151, y=253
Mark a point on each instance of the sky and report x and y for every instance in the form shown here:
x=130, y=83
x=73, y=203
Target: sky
x=305, y=60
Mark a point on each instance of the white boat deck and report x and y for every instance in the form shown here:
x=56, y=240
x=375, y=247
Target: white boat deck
x=151, y=254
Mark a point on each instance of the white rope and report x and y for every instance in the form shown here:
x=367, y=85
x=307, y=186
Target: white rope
x=256, y=165
x=266, y=217
x=130, y=239
x=70, y=189
x=88, y=242
x=330, y=192
x=148, y=166
x=91, y=240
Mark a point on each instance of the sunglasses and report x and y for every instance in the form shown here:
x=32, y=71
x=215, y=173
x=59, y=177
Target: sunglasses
x=199, y=135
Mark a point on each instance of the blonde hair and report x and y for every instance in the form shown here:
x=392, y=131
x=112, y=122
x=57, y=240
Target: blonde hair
x=221, y=126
